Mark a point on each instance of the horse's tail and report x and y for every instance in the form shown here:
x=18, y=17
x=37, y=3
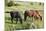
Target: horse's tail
x=7, y=12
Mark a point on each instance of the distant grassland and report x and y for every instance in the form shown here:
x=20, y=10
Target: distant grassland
x=21, y=9
x=24, y=6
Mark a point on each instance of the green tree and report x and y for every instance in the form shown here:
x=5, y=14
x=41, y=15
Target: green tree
x=6, y=1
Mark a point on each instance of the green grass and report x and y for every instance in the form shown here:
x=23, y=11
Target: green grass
x=25, y=25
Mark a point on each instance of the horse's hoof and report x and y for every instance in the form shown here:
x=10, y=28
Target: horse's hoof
x=11, y=23
x=16, y=23
x=21, y=23
x=24, y=21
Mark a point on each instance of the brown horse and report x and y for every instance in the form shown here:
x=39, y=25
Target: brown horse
x=32, y=13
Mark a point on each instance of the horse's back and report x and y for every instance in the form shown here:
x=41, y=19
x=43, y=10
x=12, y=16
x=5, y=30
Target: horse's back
x=14, y=14
x=29, y=12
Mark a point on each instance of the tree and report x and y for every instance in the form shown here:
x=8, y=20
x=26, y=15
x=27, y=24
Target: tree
x=39, y=3
x=6, y=1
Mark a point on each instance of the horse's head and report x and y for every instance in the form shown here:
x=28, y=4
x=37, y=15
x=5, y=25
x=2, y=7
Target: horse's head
x=40, y=17
x=36, y=11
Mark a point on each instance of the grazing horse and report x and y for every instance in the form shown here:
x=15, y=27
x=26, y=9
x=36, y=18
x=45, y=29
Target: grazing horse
x=15, y=14
x=32, y=13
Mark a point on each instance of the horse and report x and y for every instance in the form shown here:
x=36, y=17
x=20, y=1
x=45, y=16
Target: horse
x=15, y=14
x=32, y=13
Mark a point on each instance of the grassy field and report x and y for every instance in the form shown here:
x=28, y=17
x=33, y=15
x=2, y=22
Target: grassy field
x=26, y=25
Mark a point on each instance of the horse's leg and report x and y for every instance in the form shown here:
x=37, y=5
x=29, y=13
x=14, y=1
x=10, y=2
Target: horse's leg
x=16, y=20
x=12, y=19
x=25, y=17
x=40, y=17
x=20, y=20
x=33, y=18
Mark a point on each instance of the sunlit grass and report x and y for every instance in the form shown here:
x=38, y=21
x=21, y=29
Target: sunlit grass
x=25, y=25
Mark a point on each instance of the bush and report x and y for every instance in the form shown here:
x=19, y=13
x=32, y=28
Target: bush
x=11, y=3
x=16, y=4
x=26, y=26
x=31, y=3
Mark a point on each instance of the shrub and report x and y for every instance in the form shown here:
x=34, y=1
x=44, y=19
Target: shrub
x=11, y=3
x=39, y=3
x=16, y=4
x=31, y=3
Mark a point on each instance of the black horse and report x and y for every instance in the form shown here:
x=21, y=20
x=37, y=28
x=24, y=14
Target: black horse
x=15, y=14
